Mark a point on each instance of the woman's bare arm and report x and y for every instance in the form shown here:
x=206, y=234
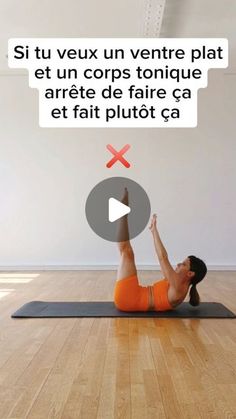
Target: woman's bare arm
x=168, y=271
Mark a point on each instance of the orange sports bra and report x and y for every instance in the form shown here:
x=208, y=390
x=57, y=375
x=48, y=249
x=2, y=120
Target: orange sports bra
x=158, y=296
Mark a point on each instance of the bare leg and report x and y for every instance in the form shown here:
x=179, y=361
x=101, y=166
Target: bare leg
x=127, y=263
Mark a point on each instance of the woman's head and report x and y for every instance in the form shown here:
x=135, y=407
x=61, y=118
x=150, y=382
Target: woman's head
x=199, y=270
x=192, y=270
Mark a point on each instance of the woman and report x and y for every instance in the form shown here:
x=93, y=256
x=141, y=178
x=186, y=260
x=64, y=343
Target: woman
x=162, y=295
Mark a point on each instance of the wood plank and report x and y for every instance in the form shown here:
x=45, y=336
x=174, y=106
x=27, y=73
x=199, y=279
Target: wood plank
x=116, y=368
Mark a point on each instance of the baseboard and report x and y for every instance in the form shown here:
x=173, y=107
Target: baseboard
x=100, y=268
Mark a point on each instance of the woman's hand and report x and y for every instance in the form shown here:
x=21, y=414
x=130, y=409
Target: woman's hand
x=153, y=225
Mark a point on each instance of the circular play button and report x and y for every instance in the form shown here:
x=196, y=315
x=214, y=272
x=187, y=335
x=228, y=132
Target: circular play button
x=112, y=203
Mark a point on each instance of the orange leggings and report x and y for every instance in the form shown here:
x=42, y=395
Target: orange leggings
x=130, y=296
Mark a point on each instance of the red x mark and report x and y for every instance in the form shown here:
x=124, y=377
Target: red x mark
x=118, y=155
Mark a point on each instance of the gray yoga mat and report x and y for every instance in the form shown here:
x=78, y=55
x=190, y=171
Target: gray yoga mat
x=108, y=309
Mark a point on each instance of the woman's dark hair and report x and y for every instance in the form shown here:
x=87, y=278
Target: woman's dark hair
x=199, y=268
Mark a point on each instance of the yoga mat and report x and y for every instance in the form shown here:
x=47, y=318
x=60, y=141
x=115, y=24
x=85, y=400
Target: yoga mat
x=108, y=309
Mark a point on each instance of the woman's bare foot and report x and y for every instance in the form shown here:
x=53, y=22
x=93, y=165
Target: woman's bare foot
x=125, y=199
x=123, y=230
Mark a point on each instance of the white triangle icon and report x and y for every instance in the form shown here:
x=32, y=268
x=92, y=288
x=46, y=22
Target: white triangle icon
x=116, y=210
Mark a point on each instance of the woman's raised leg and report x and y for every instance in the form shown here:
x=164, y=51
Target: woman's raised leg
x=127, y=262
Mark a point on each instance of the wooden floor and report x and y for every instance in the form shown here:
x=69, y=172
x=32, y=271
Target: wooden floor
x=113, y=368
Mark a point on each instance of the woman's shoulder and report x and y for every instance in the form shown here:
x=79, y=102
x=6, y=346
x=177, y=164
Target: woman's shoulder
x=176, y=297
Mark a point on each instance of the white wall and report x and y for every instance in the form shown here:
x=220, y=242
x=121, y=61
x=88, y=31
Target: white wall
x=46, y=174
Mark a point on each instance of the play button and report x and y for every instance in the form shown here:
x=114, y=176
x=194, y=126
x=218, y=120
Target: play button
x=106, y=208
x=117, y=210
